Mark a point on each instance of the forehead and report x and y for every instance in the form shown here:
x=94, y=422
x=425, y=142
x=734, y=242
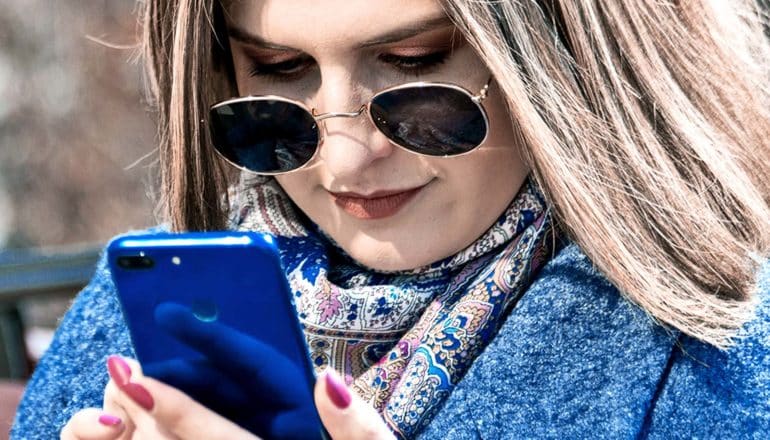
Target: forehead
x=323, y=23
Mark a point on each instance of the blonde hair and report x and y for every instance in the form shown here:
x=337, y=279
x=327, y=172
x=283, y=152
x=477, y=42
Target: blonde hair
x=646, y=125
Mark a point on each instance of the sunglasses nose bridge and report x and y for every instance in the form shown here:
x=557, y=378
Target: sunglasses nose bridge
x=322, y=116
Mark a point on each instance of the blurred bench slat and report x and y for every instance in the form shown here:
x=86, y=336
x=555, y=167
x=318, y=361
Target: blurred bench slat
x=35, y=274
x=25, y=274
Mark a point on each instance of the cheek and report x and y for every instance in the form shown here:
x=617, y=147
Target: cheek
x=297, y=186
x=502, y=151
x=489, y=182
x=501, y=127
x=486, y=181
x=304, y=189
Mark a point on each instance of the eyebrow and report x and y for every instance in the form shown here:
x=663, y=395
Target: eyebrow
x=409, y=30
x=402, y=33
x=245, y=37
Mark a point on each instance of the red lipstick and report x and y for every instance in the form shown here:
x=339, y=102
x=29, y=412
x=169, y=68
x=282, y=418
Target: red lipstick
x=373, y=206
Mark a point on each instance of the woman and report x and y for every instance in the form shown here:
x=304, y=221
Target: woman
x=636, y=130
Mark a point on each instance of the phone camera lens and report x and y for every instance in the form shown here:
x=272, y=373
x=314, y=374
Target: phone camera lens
x=135, y=262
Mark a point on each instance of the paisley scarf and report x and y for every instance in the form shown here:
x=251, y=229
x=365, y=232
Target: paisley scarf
x=402, y=339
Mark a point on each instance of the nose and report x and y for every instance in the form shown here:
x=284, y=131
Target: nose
x=351, y=143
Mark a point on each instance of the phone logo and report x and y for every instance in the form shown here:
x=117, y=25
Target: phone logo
x=205, y=310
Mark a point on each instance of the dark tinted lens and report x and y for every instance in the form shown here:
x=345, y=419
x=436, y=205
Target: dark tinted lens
x=434, y=120
x=263, y=135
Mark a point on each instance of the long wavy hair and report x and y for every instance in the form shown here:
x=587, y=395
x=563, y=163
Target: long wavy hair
x=645, y=123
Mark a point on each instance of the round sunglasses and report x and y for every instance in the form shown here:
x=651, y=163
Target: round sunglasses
x=272, y=135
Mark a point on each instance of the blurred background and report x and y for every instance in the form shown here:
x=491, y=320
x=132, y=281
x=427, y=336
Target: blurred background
x=77, y=145
x=72, y=119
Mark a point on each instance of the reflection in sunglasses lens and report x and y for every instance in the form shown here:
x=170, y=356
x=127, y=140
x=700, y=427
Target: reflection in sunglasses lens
x=435, y=120
x=264, y=135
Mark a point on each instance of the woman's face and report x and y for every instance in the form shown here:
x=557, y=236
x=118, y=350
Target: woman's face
x=388, y=208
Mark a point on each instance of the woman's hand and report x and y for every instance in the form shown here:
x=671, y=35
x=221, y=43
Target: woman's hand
x=344, y=415
x=138, y=407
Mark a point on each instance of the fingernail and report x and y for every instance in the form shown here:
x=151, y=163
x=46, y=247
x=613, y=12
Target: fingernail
x=119, y=370
x=139, y=394
x=337, y=391
x=109, y=420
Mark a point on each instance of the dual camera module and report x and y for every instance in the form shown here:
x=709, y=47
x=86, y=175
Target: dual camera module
x=140, y=261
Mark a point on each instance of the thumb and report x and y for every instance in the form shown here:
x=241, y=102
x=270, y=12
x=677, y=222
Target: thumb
x=344, y=415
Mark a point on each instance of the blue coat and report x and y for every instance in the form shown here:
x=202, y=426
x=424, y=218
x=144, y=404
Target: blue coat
x=573, y=360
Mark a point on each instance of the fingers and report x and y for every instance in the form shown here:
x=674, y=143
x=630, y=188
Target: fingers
x=92, y=424
x=160, y=411
x=176, y=413
x=260, y=366
x=302, y=423
x=345, y=415
x=202, y=382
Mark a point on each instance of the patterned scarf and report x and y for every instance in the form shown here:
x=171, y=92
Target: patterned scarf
x=402, y=339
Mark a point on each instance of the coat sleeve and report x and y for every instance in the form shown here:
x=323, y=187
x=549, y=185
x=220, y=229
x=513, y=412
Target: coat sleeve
x=718, y=394
x=72, y=374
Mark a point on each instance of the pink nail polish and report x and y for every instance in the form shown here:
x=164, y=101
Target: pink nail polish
x=337, y=391
x=119, y=370
x=139, y=394
x=109, y=420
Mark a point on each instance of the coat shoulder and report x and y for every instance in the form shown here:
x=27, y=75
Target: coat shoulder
x=576, y=359
x=711, y=391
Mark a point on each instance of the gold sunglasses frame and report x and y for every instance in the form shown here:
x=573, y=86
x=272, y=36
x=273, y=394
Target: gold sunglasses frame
x=366, y=107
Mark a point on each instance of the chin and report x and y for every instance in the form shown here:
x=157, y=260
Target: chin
x=388, y=256
x=384, y=261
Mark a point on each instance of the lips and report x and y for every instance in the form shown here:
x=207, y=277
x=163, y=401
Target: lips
x=380, y=204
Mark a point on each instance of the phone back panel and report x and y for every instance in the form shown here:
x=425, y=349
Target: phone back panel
x=235, y=278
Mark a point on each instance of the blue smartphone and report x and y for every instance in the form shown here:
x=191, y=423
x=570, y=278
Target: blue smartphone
x=229, y=284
